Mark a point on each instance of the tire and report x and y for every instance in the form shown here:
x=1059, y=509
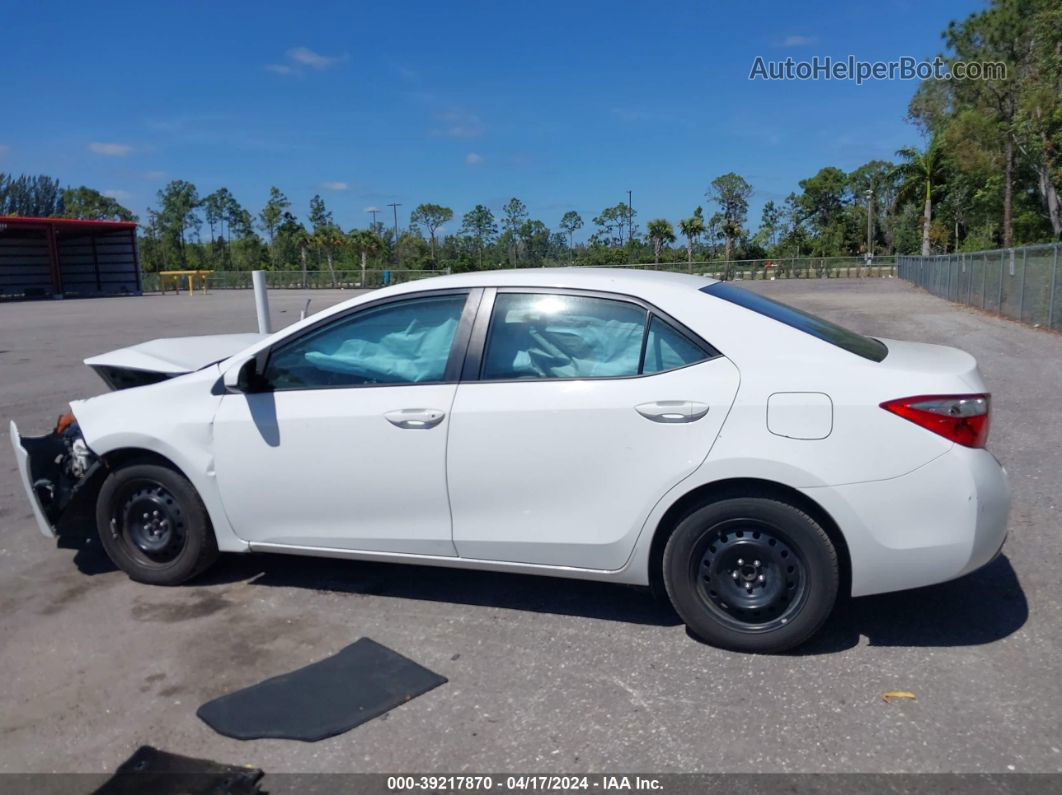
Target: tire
x=153, y=525
x=751, y=574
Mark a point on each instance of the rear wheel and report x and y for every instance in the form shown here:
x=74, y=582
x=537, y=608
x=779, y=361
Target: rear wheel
x=153, y=525
x=751, y=574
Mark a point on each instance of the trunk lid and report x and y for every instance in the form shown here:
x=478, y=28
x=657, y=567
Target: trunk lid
x=938, y=367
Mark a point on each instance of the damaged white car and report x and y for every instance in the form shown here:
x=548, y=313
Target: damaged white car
x=745, y=458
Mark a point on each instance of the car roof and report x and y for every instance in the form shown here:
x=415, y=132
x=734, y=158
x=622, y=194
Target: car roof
x=621, y=280
x=651, y=286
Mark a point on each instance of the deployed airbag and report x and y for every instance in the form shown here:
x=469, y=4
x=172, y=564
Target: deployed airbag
x=400, y=343
x=414, y=354
x=544, y=336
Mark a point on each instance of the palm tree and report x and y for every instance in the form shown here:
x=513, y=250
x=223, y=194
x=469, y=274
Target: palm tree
x=329, y=237
x=660, y=232
x=570, y=223
x=303, y=240
x=692, y=227
x=920, y=173
x=365, y=242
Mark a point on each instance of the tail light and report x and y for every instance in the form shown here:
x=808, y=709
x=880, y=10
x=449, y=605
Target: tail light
x=961, y=418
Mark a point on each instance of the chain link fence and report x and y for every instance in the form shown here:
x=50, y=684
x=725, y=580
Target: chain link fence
x=1018, y=283
x=776, y=268
x=312, y=280
x=782, y=268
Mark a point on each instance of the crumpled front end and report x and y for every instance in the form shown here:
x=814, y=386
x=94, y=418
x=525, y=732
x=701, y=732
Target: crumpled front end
x=158, y=360
x=55, y=469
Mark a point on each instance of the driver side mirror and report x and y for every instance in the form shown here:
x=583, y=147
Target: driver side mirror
x=243, y=379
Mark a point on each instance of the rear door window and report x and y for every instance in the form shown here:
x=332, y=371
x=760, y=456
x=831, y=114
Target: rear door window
x=559, y=335
x=666, y=348
x=547, y=335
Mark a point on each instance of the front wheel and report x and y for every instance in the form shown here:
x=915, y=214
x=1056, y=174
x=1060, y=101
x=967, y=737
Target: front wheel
x=751, y=574
x=153, y=525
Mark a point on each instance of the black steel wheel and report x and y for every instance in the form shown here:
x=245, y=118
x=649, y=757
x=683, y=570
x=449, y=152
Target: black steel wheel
x=148, y=518
x=751, y=574
x=153, y=525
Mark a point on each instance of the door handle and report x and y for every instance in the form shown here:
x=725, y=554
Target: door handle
x=673, y=410
x=415, y=419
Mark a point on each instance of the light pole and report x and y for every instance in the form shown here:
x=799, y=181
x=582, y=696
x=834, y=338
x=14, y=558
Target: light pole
x=870, y=228
x=398, y=256
x=630, y=218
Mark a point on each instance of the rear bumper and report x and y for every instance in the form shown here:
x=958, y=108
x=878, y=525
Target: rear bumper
x=945, y=519
x=22, y=459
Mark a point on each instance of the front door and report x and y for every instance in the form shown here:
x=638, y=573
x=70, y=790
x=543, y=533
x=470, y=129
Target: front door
x=346, y=446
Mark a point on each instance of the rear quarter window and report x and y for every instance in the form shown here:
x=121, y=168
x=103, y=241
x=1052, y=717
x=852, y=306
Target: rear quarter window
x=867, y=347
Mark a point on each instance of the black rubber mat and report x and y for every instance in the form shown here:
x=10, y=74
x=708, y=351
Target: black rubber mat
x=162, y=773
x=323, y=699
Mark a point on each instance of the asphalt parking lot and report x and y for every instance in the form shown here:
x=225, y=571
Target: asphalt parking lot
x=545, y=675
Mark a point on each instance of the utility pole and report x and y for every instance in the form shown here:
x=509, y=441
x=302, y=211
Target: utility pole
x=398, y=257
x=870, y=227
x=372, y=211
x=630, y=217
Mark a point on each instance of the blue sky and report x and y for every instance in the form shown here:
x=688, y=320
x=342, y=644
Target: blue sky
x=566, y=105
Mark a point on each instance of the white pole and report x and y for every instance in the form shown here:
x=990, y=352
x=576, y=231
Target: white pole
x=261, y=301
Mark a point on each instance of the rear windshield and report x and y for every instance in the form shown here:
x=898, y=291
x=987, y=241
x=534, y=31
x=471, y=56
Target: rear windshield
x=867, y=347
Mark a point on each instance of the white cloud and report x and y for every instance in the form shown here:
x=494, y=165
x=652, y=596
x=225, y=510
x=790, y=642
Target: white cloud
x=334, y=185
x=314, y=60
x=458, y=124
x=299, y=59
x=110, y=150
x=798, y=41
x=473, y=159
x=117, y=194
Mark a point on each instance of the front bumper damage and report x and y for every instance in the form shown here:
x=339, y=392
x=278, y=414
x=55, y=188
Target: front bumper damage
x=55, y=469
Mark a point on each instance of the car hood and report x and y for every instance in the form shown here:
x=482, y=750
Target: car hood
x=159, y=359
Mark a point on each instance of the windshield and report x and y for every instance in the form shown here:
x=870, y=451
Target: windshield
x=867, y=347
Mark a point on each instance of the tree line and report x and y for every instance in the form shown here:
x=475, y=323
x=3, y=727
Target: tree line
x=986, y=174
x=42, y=197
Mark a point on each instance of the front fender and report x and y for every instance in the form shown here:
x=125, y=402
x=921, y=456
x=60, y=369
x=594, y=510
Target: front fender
x=173, y=419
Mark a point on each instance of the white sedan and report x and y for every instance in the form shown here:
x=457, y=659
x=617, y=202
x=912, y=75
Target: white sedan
x=747, y=459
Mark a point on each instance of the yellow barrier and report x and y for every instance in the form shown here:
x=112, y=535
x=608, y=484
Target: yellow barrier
x=177, y=276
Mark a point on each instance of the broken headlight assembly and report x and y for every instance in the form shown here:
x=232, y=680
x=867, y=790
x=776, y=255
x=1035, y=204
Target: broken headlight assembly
x=60, y=465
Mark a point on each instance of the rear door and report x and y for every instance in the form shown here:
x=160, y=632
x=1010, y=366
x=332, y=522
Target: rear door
x=575, y=414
